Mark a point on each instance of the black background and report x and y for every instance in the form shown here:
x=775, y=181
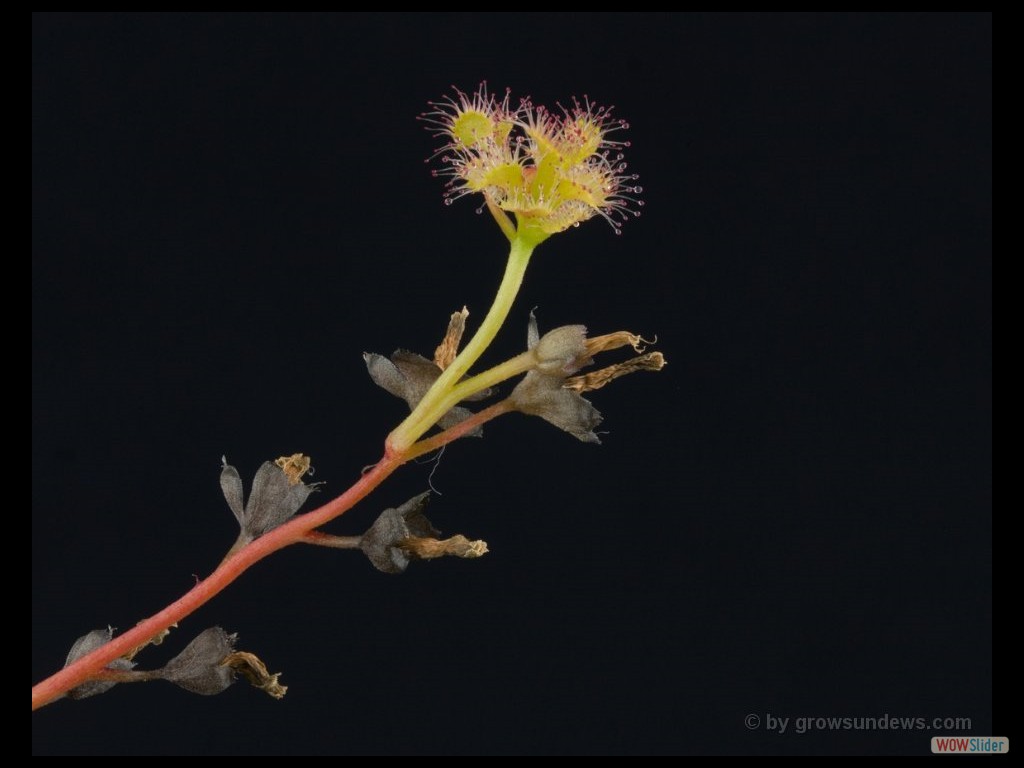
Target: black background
x=792, y=519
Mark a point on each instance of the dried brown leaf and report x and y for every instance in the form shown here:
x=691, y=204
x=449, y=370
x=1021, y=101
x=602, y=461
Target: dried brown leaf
x=449, y=347
x=156, y=639
x=255, y=671
x=616, y=340
x=294, y=467
x=87, y=644
x=456, y=546
x=652, y=361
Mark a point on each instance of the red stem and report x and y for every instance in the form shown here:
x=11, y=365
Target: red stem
x=87, y=667
x=92, y=665
x=330, y=540
x=459, y=430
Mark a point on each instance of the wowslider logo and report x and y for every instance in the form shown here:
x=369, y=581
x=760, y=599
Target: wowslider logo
x=978, y=745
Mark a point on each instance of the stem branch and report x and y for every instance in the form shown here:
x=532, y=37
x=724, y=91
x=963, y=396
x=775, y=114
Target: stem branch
x=89, y=666
x=400, y=446
x=459, y=430
x=329, y=540
x=426, y=414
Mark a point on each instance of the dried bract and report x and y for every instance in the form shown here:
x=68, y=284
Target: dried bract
x=200, y=667
x=401, y=535
x=277, y=493
x=548, y=392
x=87, y=644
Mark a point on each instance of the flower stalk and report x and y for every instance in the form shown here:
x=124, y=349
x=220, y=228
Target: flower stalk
x=540, y=174
x=437, y=401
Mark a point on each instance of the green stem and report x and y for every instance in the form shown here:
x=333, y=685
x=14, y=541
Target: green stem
x=468, y=387
x=512, y=367
x=502, y=218
x=429, y=410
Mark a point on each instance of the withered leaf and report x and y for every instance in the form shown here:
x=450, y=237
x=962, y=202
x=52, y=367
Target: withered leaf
x=546, y=391
x=275, y=497
x=448, y=349
x=409, y=376
x=87, y=644
x=562, y=351
x=199, y=668
x=587, y=382
x=456, y=546
x=546, y=396
x=255, y=671
x=380, y=542
x=401, y=535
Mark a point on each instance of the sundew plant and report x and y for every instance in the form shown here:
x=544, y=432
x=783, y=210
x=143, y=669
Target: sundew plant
x=540, y=172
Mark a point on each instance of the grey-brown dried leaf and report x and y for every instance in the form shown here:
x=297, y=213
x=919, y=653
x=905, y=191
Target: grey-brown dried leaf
x=380, y=542
x=401, y=535
x=562, y=351
x=546, y=396
x=87, y=644
x=409, y=376
x=275, y=497
x=200, y=667
x=546, y=391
